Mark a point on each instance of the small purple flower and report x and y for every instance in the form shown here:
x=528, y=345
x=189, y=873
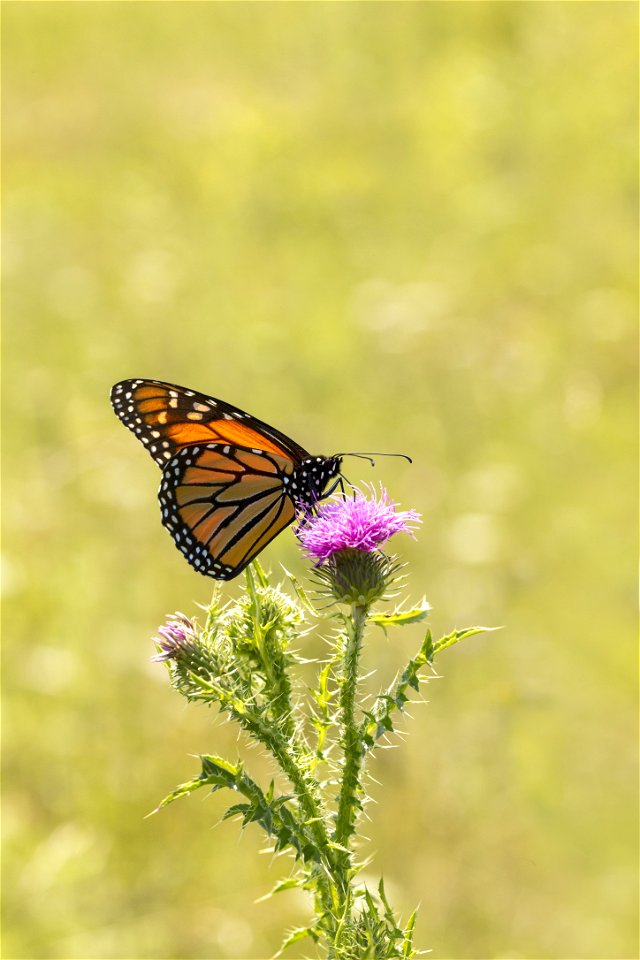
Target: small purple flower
x=353, y=523
x=177, y=637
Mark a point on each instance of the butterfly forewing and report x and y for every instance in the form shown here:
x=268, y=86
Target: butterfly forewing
x=230, y=482
x=166, y=418
x=223, y=505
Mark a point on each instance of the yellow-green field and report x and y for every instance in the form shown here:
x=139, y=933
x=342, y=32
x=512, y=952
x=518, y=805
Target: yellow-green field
x=379, y=226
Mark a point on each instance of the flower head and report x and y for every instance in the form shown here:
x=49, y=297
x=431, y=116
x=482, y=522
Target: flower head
x=344, y=537
x=177, y=636
x=354, y=523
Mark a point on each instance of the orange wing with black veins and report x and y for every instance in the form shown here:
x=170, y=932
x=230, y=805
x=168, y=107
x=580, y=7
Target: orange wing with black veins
x=223, y=505
x=167, y=418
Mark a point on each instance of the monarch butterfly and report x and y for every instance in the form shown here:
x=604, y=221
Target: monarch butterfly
x=230, y=483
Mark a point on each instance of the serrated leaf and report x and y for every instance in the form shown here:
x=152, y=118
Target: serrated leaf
x=456, y=636
x=407, y=942
x=370, y=903
x=338, y=846
x=216, y=772
x=270, y=812
x=378, y=720
x=181, y=791
x=258, y=570
x=217, y=766
x=401, y=618
x=383, y=896
x=234, y=810
x=427, y=650
x=288, y=884
x=298, y=934
x=323, y=695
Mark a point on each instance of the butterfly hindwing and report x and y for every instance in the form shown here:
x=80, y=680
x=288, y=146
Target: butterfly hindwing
x=167, y=418
x=230, y=482
x=223, y=505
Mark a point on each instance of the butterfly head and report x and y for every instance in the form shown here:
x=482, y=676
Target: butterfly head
x=305, y=485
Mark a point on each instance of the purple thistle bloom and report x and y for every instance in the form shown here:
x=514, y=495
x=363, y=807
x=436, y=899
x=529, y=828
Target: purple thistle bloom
x=353, y=523
x=177, y=637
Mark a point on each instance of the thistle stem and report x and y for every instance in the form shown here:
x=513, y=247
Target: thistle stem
x=305, y=789
x=349, y=797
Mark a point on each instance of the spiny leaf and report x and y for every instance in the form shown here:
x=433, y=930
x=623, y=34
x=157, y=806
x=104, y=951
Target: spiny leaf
x=215, y=771
x=183, y=790
x=454, y=637
x=271, y=812
x=323, y=694
x=400, y=618
x=259, y=572
x=298, y=934
x=322, y=719
x=219, y=767
x=287, y=884
x=371, y=904
x=338, y=846
x=383, y=897
x=378, y=720
x=407, y=943
x=251, y=585
x=235, y=809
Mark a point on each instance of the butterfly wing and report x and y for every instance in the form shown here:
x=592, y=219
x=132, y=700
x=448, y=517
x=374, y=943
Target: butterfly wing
x=167, y=418
x=222, y=505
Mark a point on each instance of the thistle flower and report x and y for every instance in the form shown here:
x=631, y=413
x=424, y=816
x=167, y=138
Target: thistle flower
x=177, y=637
x=354, y=523
x=344, y=538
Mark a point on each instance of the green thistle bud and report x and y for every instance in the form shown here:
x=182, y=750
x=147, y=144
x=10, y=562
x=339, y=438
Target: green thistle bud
x=355, y=577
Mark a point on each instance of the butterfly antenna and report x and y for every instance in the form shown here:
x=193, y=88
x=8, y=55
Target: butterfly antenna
x=370, y=456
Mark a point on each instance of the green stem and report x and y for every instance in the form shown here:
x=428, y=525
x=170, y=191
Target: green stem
x=309, y=805
x=349, y=799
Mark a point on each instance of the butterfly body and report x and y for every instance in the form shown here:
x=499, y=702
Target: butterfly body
x=230, y=482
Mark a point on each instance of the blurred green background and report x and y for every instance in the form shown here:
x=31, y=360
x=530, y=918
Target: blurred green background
x=394, y=226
